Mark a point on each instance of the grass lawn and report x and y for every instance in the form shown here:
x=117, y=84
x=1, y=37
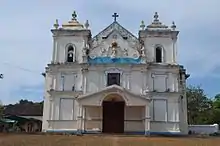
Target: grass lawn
x=94, y=140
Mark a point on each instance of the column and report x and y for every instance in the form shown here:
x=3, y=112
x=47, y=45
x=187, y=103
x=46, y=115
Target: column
x=54, y=49
x=174, y=50
x=176, y=88
x=128, y=81
x=55, y=82
x=143, y=78
x=105, y=79
x=80, y=120
x=147, y=120
x=55, y=52
x=85, y=82
x=171, y=82
x=51, y=105
x=83, y=118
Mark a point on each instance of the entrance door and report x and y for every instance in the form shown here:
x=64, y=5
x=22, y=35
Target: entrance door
x=113, y=117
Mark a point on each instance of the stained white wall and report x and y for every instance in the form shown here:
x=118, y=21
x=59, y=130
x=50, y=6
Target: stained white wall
x=66, y=109
x=167, y=44
x=95, y=80
x=60, y=48
x=165, y=109
x=93, y=116
x=134, y=118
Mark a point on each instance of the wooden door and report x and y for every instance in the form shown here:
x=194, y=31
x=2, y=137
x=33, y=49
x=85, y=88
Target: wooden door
x=113, y=117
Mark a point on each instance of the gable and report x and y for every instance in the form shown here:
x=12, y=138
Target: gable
x=126, y=44
x=96, y=98
x=115, y=26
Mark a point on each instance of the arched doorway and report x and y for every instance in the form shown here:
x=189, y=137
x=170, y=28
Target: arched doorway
x=113, y=114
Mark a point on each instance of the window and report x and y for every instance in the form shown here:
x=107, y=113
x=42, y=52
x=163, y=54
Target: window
x=113, y=79
x=66, y=109
x=158, y=54
x=160, y=110
x=70, y=54
x=159, y=82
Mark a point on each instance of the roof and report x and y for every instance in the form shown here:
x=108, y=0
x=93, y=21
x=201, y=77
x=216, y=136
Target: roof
x=6, y=121
x=24, y=109
x=20, y=119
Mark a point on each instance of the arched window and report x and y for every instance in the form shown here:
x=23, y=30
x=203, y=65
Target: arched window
x=159, y=54
x=70, y=54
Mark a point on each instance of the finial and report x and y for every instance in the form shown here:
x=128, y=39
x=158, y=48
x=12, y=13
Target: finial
x=156, y=16
x=173, y=26
x=87, y=24
x=142, y=26
x=56, y=24
x=74, y=15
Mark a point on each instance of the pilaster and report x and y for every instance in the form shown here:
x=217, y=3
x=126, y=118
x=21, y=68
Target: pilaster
x=51, y=107
x=147, y=120
x=80, y=120
x=84, y=79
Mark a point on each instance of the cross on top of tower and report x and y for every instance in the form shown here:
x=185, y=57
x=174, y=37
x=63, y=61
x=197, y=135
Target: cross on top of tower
x=115, y=15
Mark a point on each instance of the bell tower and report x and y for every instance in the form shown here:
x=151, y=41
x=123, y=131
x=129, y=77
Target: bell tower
x=71, y=41
x=160, y=41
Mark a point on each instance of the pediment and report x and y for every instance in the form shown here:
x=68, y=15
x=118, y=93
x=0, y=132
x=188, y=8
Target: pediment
x=112, y=89
x=115, y=26
x=127, y=44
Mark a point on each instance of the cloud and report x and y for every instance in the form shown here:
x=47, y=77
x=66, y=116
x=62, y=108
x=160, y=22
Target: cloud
x=26, y=40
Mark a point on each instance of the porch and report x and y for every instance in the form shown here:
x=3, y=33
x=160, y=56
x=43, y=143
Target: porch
x=113, y=111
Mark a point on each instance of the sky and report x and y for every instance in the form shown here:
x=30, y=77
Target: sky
x=26, y=40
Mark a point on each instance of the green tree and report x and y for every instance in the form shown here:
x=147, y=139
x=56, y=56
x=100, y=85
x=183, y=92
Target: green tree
x=1, y=109
x=215, y=116
x=199, y=106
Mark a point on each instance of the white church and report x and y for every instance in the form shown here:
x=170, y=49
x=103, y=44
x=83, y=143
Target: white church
x=115, y=82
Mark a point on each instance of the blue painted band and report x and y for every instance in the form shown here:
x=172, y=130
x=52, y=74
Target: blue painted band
x=109, y=60
x=126, y=132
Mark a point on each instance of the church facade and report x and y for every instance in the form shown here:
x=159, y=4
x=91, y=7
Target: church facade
x=115, y=82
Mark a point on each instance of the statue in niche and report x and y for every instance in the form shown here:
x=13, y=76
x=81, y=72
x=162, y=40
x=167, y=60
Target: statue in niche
x=85, y=48
x=114, y=46
x=142, y=49
x=103, y=50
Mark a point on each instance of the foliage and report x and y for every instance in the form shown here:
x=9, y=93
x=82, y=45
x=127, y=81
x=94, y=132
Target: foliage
x=201, y=108
x=1, y=111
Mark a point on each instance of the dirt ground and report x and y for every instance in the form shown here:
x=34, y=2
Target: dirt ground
x=92, y=140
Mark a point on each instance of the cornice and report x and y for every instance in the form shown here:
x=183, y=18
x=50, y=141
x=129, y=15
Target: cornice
x=165, y=93
x=65, y=32
x=63, y=93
